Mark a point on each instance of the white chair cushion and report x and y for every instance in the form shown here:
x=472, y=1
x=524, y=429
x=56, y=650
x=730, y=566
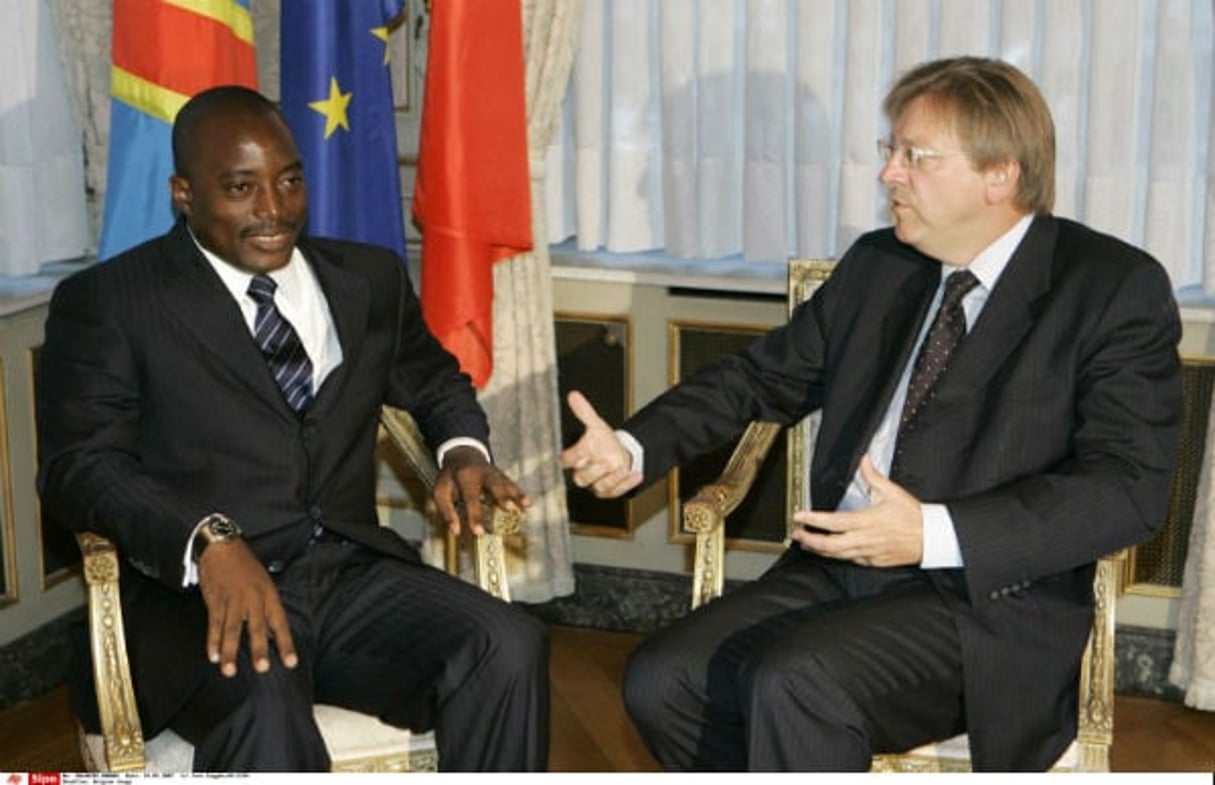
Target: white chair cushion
x=958, y=749
x=356, y=742
x=163, y=754
x=361, y=742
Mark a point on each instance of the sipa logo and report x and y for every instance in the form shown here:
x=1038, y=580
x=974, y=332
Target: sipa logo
x=44, y=778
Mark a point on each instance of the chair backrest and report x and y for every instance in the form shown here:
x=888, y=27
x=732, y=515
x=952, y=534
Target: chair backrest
x=805, y=276
x=704, y=514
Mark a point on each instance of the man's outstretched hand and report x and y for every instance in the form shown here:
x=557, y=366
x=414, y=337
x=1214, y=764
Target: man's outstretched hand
x=598, y=460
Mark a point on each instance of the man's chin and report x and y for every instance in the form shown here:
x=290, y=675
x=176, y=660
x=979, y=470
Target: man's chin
x=264, y=262
x=903, y=231
x=268, y=254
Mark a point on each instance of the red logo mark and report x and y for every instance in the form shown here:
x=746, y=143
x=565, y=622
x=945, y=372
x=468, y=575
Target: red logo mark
x=44, y=778
x=14, y=779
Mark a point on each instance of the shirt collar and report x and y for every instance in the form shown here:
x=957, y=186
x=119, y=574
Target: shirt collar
x=237, y=280
x=989, y=265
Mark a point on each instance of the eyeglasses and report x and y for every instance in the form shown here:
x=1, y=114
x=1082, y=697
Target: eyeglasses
x=910, y=156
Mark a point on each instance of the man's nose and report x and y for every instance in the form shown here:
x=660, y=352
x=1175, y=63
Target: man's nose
x=894, y=170
x=269, y=202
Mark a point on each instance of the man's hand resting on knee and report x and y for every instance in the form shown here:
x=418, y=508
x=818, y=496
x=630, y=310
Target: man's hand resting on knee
x=240, y=594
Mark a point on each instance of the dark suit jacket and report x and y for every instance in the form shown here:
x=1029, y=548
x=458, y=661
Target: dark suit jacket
x=1051, y=438
x=155, y=407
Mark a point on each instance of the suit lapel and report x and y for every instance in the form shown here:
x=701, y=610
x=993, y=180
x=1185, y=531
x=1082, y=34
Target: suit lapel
x=899, y=329
x=349, y=301
x=205, y=307
x=1009, y=313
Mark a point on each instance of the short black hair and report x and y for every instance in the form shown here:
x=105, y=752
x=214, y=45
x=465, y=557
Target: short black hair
x=230, y=100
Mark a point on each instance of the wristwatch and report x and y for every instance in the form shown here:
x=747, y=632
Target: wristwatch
x=216, y=527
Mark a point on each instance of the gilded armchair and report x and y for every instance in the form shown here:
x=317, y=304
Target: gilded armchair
x=705, y=513
x=356, y=742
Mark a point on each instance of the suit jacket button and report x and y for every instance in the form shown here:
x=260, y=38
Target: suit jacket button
x=315, y=513
x=275, y=567
x=995, y=595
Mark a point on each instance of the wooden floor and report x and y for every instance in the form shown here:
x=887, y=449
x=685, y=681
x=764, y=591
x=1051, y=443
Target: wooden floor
x=592, y=733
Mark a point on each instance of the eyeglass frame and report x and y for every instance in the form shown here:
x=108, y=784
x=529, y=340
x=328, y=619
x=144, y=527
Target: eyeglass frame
x=911, y=156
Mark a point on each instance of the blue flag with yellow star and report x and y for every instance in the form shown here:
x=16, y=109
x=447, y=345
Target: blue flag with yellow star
x=337, y=98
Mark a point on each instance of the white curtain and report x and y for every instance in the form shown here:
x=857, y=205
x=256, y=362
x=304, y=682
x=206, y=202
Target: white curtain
x=1193, y=666
x=521, y=397
x=42, y=209
x=718, y=127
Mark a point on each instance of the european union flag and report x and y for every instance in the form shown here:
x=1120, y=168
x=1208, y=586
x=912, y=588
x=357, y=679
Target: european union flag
x=337, y=98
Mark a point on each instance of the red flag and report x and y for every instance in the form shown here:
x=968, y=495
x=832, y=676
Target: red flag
x=472, y=198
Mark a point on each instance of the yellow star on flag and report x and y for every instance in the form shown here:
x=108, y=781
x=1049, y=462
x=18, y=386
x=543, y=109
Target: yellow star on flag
x=382, y=34
x=334, y=108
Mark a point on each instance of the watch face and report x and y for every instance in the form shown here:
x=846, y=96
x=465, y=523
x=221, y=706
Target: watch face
x=223, y=528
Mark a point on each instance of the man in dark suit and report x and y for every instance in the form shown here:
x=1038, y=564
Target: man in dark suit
x=210, y=400
x=961, y=491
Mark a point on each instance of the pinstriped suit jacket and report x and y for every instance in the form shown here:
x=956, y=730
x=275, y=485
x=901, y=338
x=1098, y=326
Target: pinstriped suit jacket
x=1051, y=438
x=155, y=407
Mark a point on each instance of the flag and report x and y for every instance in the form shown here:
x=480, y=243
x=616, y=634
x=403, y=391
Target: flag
x=164, y=51
x=472, y=198
x=42, y=209
x=337, y=98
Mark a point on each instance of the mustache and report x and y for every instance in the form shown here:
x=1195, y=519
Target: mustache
x=269, y=229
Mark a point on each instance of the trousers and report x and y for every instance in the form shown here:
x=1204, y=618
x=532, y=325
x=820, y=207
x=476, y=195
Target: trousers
x=815, y=666
x=405, y=642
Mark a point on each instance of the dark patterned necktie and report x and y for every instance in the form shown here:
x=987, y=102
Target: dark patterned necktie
x=281, y=345
x=946, y=332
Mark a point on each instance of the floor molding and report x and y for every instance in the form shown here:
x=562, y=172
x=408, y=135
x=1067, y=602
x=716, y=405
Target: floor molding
x=38, y=661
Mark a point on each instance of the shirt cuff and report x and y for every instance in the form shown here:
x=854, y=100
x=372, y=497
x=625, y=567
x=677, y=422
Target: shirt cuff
x=633, y=447
x=941, y=549
x=460, y=441
x=189, y=571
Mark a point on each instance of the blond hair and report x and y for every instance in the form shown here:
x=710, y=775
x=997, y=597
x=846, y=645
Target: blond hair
x=998, y=115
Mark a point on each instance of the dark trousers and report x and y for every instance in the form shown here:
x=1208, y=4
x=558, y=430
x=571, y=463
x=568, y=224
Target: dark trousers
x=407, y=643
x=815, y=666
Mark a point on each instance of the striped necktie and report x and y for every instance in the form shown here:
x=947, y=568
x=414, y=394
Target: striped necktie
x=281, y=345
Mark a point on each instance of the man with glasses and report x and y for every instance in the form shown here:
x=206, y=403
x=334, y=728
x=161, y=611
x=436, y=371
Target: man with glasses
x=1001, y=404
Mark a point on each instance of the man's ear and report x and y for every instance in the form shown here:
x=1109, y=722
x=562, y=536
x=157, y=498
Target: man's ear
x=1003, y=181
x=179, y=188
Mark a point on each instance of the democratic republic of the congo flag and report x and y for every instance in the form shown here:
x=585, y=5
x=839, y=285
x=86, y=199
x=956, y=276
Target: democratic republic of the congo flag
x=164, y=51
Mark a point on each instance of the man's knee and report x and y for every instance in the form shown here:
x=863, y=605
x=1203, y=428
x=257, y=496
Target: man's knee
x=812, y=678
x=270, y=727
x=515, y=641
x=651, y=678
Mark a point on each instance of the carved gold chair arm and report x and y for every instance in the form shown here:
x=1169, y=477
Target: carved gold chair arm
x=120, y=727
x=489, y=549
x=1095, y=729
x=705, y=513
